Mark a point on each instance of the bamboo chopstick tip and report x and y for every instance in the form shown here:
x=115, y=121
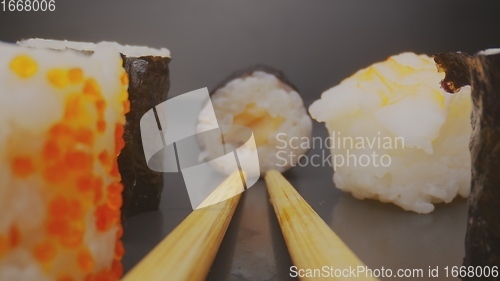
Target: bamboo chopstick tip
x=271, y=173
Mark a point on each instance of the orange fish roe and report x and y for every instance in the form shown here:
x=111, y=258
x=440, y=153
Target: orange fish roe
x=100, y=104
x=58, y=78
x=55, y=173
x=117, y=268
x=91, y=88
x=14, y=236
x=45, y=251
x=66, y=208
x=115, y=188
x=75, y=75
x=60, y=130
x=119, y=250
x=101, y=126
x=57, y=227
x=78, y=160
x=66, y=221
x=104, y=158
x=87, y=183
x=126, y=106
x=115, y=172
x=98, y=184
x=119, y=233
x=84, y=136
x=50, y=150
x=84, y=184
x=24, y=66
x=85, y=260
x=4, y=245
x=73, y=237
x=65, y=277
x=106, y=217
x=75, y=108
x=119, y=142
x=97, y=194
x=75, y=211
x=124, y=79
x=22, y=166
x=103, y=275
x=115, y=199
x=59, y=207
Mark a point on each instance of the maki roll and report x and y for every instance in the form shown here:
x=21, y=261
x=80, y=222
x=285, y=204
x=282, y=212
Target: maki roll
x=148, y=79
x=262, y=99
x=396, y=136
x=482, y=73
x=61, y=128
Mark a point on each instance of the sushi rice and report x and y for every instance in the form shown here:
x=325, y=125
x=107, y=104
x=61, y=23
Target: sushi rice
x=401, y=98
x=148, y=86
x=61, y=127
x=263, y=101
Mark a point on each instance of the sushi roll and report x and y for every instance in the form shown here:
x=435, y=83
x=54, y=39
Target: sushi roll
x=61, y=128
x=148, y=78
x=482, y=72
x=401, y=138
x=262, y=99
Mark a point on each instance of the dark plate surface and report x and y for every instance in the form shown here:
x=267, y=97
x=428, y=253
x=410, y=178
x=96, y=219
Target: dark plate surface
x=382, y=235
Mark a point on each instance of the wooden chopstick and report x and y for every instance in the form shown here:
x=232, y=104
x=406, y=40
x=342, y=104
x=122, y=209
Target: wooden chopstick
x=189, y=250
x=310, y=241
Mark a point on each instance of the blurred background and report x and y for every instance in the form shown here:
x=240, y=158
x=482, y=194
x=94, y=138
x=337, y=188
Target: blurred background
x=317, y=43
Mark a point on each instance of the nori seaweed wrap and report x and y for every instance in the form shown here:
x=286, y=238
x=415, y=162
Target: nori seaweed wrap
x=264, y=100
x=149, y=77
x=482, y=73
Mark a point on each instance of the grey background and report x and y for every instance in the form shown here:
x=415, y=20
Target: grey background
x=317, y=43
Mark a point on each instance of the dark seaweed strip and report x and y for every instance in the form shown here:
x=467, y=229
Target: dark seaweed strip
x=148, y=87
x=482, y=73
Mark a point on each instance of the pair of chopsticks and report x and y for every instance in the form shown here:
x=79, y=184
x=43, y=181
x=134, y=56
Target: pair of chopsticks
x=187, y=253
